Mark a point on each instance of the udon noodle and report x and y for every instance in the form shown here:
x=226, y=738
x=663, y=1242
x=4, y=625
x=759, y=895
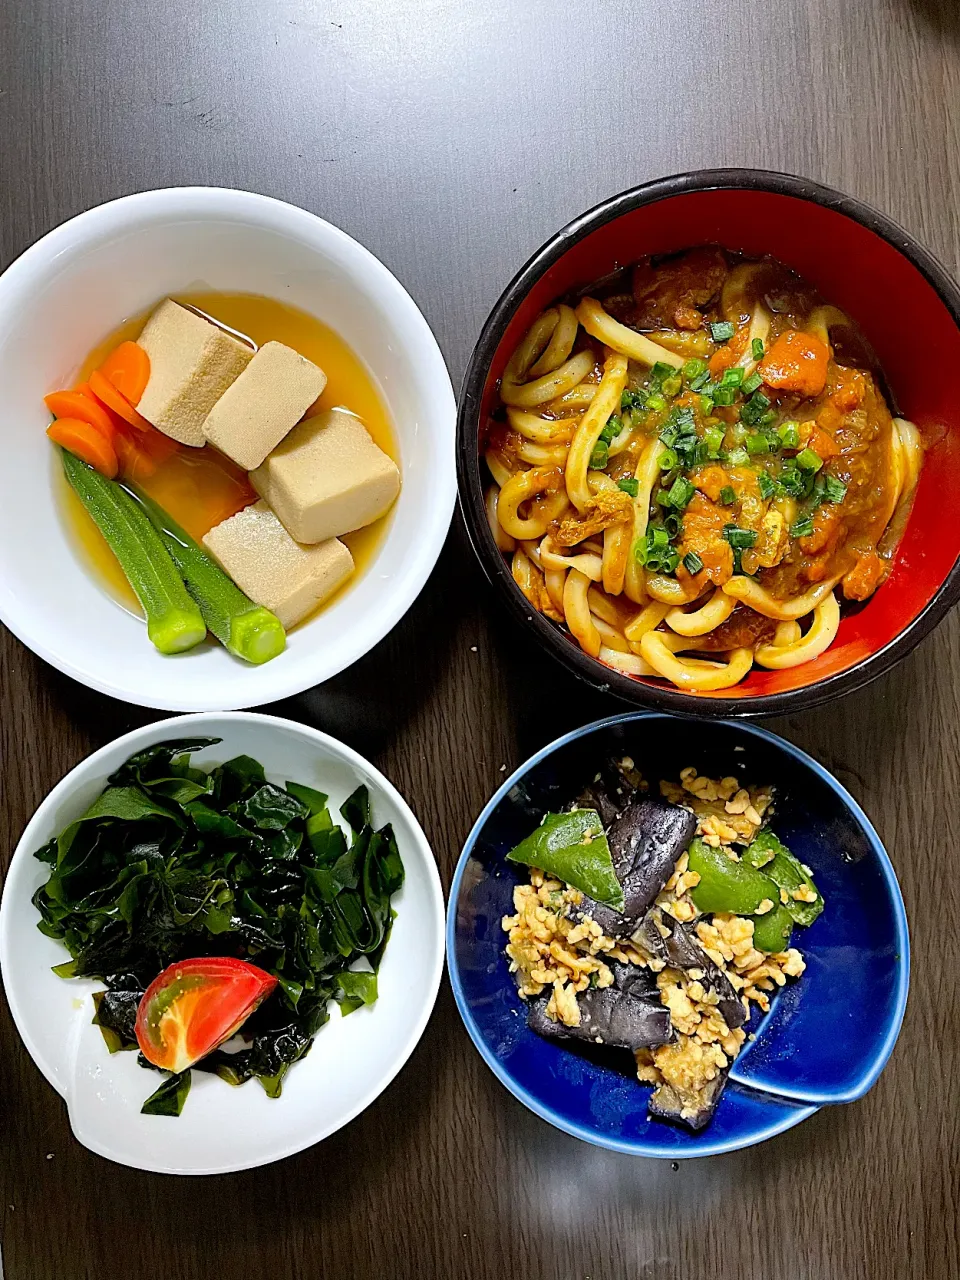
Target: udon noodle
x=691, y=472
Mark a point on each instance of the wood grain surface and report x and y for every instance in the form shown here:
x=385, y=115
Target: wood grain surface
x=452, y=137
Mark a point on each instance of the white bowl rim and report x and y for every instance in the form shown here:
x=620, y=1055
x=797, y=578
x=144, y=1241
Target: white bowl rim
x=277, y=680
x=181, y=726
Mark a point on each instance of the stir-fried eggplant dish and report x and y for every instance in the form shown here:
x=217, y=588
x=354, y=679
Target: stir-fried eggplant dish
x=695, y=467
x=657, y=923
x=212, y=903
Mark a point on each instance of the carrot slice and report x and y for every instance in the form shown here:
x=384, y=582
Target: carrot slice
x=128, y=368
x=134, y=460
x=74, y=404
x=796, y=362
x=86, y=442
x=104, y=390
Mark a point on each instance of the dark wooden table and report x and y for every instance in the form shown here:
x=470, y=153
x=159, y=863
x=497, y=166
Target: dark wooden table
x=452, y=137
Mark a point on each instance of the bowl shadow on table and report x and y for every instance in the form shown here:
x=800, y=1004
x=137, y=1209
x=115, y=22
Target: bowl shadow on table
x=943, y=15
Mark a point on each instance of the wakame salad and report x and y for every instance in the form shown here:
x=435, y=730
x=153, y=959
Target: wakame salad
x=211, y=902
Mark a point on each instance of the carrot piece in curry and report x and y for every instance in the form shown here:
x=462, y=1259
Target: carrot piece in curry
x=796, y=362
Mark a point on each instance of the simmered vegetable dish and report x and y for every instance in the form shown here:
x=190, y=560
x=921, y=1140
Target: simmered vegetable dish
x=215, y=902
x=690, y=467
x=656, y=922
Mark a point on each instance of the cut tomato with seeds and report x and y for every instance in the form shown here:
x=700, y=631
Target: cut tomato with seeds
x=196, y=1005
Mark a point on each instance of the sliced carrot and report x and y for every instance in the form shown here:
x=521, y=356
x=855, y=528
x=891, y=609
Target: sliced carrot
x=796, y=362
x=74, y=404
x=133, y=457
x=720, y=360
x=128, y=368
x=86, y=442
x=104, y=390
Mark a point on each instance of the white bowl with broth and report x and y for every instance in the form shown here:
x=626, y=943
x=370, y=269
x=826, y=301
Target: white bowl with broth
x=80, y=285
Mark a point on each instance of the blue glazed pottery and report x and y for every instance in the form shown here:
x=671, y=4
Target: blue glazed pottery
x=826, y=1038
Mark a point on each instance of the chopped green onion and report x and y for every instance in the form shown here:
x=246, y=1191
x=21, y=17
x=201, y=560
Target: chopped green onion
x=739, y=538
x=706, y=404
x=756, y=349
x=802, y=528
x=757, y=443
x=631, y=400
x=600, y=456
x=755, y=408
x=738, y=457
x=671, y=386
x=629, y=484
x=789, y=433
x=767, y=419
x=681, y=492
x=660, y=371
x=791, y=482
x=668, y=459
x=732, y=377
x=834, y=490
x=751, y=384
x=713, y=439
x=722, y=331
x=672, y=523
x=701, y=382
x=765, y=484
x=692, y=563
x=727, y=496
x=656, y=401
x=694, y=368
x=725, y=395
x=612, y=429
x=809, y=460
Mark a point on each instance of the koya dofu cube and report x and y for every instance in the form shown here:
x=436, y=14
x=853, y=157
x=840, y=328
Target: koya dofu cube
x=327, y=477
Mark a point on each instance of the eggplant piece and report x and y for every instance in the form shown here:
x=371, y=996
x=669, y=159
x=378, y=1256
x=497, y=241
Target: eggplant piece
x=667, y=939
x=609, y=794
x=669, y=1103
x=611, y=1016
x=645, y=841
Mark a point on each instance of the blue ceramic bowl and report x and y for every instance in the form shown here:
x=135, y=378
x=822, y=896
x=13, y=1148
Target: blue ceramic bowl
x=826, y=1038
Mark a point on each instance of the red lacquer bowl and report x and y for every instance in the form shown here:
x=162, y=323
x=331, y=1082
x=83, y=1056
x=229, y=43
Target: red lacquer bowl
x=907, y=305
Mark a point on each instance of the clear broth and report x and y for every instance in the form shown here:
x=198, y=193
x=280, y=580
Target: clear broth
x=200, y=487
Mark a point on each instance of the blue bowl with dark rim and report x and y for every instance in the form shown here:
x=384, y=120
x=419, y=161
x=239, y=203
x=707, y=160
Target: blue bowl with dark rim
x=827, y=1036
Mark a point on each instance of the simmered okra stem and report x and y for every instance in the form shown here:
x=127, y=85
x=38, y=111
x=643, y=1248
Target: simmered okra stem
x=246, y=629
x=174, y=622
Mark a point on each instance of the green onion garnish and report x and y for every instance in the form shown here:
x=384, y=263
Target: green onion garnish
x=706, y=405
x=751, y=384
x=600, y=456
x=681, y=492
x=629, y=484
x=713, y=439
x=802, y=528
x=739, y=538
x=660, y=371
x=834, y=490
x=765, y=484
x=727, y=496
x=809, y=460
x=656, y=401
x=756, y=349
x=671, y=386
x=789, y=433
x=612, y=429
x=738, y=457
x=722, y=331
x=692, y=563
x=668, y=459
x=732, y=377
x=757, y=443
x=694, y=368
x=725, y=395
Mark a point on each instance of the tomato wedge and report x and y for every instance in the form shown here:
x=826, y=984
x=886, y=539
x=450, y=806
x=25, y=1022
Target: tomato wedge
x=195, y=1005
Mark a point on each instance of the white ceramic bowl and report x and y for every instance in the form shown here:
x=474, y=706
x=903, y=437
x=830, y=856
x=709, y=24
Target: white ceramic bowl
x=67, y=292
x=222, y=1129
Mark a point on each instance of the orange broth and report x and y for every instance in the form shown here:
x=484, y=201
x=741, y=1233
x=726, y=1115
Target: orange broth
x=200, y=487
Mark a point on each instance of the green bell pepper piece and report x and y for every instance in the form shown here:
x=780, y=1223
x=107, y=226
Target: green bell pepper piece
x=573, y=848
x=787, y=872
x=727, y=884
x=771, y=932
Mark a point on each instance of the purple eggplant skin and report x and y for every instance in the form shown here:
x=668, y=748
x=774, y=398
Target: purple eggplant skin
x=621, y=1018
x=609, y=794
x=645, y=840
x=667, y=939
x=666, y=1104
